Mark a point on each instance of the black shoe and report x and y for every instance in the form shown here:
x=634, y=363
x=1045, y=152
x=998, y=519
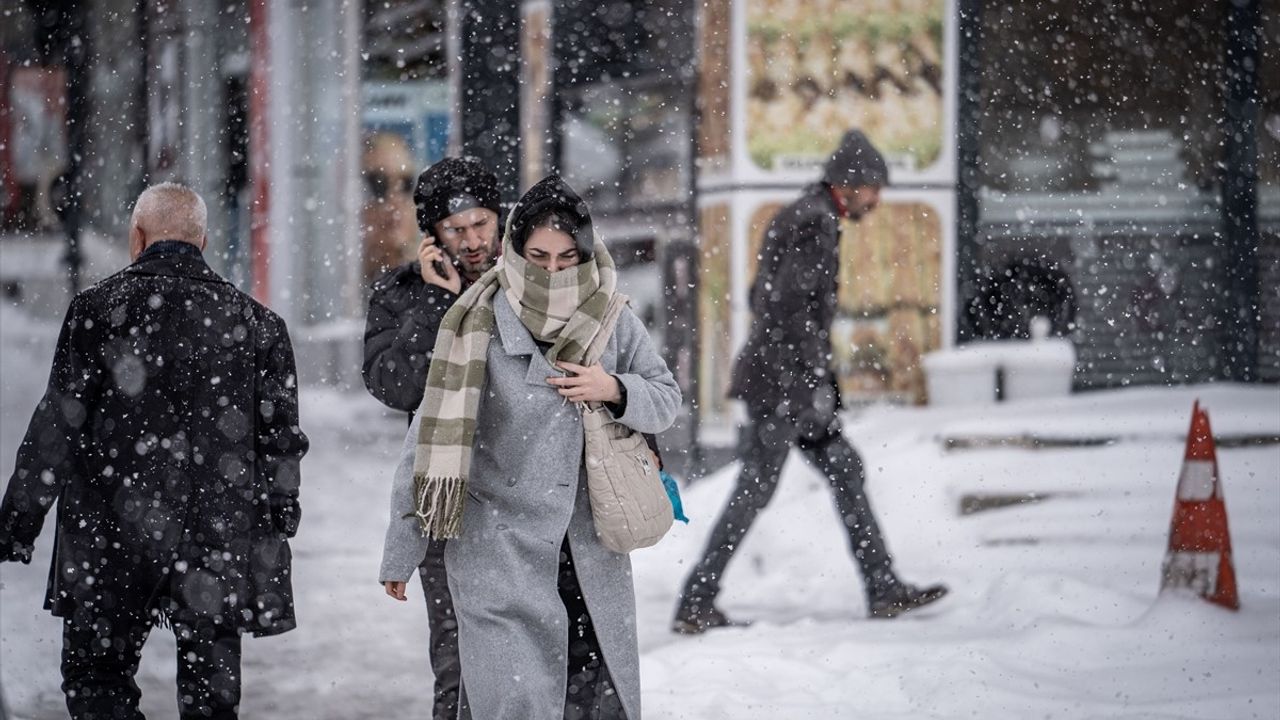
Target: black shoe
x=903, y=597
x=696, y=618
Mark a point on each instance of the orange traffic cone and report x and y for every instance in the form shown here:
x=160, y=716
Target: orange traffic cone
x=1199, y=556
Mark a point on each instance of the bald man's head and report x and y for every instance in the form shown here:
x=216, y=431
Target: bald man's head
x=167, y=211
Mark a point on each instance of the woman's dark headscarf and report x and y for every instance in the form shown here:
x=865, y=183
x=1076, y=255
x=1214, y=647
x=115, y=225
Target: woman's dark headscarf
x=552, y=203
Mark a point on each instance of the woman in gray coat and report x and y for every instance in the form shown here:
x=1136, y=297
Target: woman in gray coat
x=546, y=614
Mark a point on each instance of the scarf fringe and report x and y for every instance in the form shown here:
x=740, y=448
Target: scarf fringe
x=162, y=617
x=438, y=504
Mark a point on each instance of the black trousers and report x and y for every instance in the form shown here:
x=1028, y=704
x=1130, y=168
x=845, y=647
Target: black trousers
x=589, y=692
x=100, y=655
x=763, y=446
x=443, y=627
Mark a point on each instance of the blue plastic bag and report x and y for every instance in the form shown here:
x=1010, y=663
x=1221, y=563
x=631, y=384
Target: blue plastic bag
x=673, y=493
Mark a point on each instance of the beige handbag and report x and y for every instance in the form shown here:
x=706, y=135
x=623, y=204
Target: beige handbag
x=629, y=505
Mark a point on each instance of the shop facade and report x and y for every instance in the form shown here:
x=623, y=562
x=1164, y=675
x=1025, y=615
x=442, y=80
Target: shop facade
x=1115, y=169
x=1112, y=169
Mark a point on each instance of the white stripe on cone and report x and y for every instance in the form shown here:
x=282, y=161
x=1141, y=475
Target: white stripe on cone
x=1196, y=571
x=1196, y=482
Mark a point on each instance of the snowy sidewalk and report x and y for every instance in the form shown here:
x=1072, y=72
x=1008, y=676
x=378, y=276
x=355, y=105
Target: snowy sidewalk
x=1053, y=608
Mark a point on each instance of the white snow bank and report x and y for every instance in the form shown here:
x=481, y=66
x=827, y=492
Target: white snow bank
x=1234, y=410
x=1053, y=610
x=966, y=375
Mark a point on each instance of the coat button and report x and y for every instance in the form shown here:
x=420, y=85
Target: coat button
x=511, y=482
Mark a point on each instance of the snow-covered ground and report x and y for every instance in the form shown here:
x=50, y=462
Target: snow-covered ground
x=1053, y=611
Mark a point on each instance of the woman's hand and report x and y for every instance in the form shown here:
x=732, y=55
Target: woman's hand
x=395, y=589
x=586, y=383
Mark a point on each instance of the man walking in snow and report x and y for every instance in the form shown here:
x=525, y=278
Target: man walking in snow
x=168, y=436
x=458, y=208
x=784, y=377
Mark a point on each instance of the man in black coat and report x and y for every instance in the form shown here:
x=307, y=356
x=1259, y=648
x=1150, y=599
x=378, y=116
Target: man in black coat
x=168, y=437
x=784, y=377
x=457, y=203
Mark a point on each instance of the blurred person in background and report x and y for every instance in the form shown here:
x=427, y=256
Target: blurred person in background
x=457, y=211
x=785, y=378
x=389, y=233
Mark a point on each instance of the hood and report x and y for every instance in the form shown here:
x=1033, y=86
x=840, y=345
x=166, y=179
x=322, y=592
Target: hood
x=551, y=193
x=856, y=162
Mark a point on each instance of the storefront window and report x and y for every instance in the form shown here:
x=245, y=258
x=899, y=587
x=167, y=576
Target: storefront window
x=1109, y=95
x=38, y=145
x=625, y=107
x=1269, y=196
x=625, y=144
x=1100, y=182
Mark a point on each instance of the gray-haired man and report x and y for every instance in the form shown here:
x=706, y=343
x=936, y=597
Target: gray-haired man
x=168, y=437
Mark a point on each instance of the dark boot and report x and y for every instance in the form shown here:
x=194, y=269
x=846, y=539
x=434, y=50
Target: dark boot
x=889, y=597
x=696, y=616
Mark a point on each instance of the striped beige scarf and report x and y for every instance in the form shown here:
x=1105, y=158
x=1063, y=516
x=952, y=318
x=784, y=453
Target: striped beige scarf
x=564, y=308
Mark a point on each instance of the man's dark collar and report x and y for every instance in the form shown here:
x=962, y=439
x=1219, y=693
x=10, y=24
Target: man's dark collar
x=174, y=258
x=170, y=247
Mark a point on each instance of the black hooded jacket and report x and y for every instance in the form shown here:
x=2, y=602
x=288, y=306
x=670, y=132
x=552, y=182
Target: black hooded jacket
x=786, y=359
x=404, y=310
x=784, y=370
x=399, y=333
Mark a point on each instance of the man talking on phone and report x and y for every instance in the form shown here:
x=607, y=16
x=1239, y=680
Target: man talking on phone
x=457, y=204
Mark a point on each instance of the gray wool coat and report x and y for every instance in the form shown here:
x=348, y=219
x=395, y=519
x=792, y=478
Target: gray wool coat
x=526, y=493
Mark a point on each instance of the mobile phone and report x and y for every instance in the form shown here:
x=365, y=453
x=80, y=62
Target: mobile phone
x=438, y=265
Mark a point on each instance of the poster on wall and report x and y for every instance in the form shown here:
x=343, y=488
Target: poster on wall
x=417, y=111
x=535, y=90
x=816, y=69
x=37, y=146
x=713, y=85
x=714, y=309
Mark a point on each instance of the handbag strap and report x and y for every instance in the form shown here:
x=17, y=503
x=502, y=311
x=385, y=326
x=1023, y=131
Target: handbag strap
x=601, y=340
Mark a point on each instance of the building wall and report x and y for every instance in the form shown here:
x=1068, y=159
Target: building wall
x=160, y=110
x=1112, y=176
x=1269, y=304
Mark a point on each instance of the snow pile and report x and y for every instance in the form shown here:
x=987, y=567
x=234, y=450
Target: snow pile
x=966, y=375
x=1053, y=610
x=1235, y=411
